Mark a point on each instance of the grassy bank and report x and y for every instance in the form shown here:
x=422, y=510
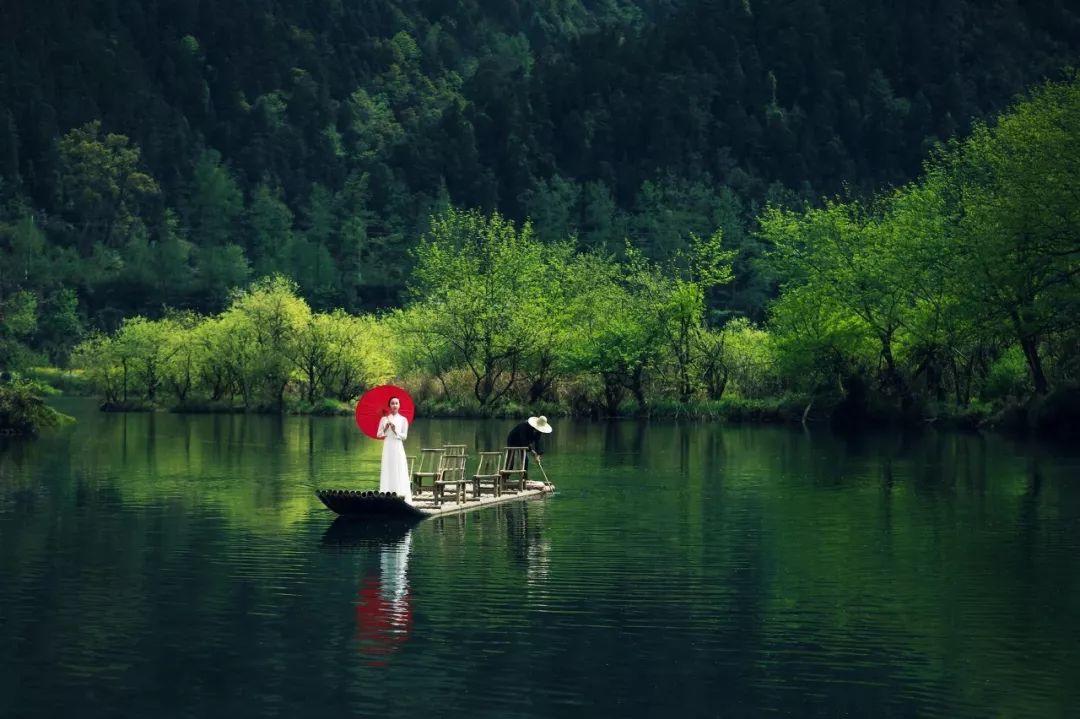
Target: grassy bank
x=69, y=382
x=1054, y=414
x=769, y=410
x=320, y=408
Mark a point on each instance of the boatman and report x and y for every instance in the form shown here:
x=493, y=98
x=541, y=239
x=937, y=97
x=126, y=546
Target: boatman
x=529, y=434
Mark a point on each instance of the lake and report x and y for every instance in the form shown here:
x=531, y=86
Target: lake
x=180, y=566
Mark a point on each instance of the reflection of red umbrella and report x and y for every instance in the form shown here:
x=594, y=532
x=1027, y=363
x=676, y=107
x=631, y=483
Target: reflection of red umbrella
x=375, y=404
x=382, y=623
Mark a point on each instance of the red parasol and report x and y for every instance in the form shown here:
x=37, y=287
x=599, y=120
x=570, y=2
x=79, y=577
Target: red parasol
x=375, y=404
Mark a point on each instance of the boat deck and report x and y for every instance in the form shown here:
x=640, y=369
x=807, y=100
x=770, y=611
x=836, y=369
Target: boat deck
x=426, y=503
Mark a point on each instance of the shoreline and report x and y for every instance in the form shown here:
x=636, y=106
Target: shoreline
x=758, y=412
x=1056, y=414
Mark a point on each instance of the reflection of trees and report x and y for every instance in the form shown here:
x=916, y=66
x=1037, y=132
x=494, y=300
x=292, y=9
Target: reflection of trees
x=624, y=442
x=257, y=471
x=759, y=544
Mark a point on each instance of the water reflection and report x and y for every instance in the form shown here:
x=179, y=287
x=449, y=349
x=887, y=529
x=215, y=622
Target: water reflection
x=168, y=565
x=383, y=602
x=525, y=540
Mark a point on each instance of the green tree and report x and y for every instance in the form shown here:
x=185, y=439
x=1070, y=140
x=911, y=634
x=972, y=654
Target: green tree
x=482, y=275
x=843, y=255
x=259, y=335
x=182, y=353
x=615, y=329
x=101, y=183
x=1011, y=190
x=214, y=202
x=18, y=320
x=269, y=229
x=675, y=290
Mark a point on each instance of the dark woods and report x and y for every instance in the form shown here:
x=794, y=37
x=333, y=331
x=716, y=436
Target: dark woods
x=158, y=155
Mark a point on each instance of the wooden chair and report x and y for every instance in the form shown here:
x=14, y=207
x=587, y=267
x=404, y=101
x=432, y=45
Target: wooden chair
x=487, y=477
x=428, y=468
x=454, y=450
x=452, y=477
x=513, y=470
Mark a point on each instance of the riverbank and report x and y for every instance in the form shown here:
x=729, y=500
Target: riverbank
x=735, y=410
x=71, y=382
x=320, y=408
x=1055, y=414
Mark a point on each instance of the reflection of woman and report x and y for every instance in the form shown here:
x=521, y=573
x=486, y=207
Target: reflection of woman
x=384, y=611
x=394, y=474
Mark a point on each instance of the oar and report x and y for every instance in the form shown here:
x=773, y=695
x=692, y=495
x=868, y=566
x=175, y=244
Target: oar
x=541, y=466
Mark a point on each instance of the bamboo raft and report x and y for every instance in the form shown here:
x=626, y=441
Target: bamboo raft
x=441, y=488
x=373, y=505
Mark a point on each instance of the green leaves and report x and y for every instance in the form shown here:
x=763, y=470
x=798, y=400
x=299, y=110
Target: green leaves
x=265, y=341
x=101, y=182
x=486, y=280
x=981, y=253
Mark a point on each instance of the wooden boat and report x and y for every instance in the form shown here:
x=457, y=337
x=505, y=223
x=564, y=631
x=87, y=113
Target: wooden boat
x=500, y=477
x=351, y=503
x=377, y=505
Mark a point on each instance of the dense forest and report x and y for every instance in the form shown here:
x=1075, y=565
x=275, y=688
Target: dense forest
x=161, y=153
x=953, y=298
x=608, y=206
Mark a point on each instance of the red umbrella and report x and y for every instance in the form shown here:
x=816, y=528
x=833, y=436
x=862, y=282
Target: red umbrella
x=375, y=404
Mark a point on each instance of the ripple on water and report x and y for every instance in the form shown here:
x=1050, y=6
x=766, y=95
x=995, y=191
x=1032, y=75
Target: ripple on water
x=180, y=566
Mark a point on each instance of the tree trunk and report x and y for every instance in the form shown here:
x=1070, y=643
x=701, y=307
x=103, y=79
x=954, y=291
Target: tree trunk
x=1031, y=351
x=956, y=381
x=637, y=388
x=151, y=382
x=893, y=383
x=482, y=389
x=613, y=391
x=541, y=384
x=718, y=388
x=934, y=379
x=686, y=390
x=442, y=381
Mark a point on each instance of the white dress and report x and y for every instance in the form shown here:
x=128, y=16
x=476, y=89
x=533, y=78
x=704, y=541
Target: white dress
x=394, y=473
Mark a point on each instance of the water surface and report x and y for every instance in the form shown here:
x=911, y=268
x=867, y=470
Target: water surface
x=179, y=566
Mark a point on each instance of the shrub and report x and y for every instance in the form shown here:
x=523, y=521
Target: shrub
x=1008, y=377
x=22, y=411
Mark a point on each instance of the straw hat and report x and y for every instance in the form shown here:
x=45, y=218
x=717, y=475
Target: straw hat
x=540, y=424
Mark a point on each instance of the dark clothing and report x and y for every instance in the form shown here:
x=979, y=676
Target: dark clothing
x=525, y=435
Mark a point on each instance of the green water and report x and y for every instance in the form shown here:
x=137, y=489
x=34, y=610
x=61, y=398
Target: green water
x=179, y=566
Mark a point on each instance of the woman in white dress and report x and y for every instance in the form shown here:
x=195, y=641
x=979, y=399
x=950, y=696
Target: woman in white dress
x=394, y=474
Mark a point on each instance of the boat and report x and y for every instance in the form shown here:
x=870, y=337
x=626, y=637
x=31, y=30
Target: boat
x=500, y=477
x=384, y=505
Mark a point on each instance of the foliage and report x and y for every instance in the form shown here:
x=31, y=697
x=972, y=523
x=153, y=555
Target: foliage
x=1007, y=377
x=1011, y=192
x=22, y=411
x=156, y=157
x=483, y=279
x=942, y=282
x=265, y=347
x=922, y=297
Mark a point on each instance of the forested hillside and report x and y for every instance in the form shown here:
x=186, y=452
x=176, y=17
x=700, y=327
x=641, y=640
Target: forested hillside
x=160, y=153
